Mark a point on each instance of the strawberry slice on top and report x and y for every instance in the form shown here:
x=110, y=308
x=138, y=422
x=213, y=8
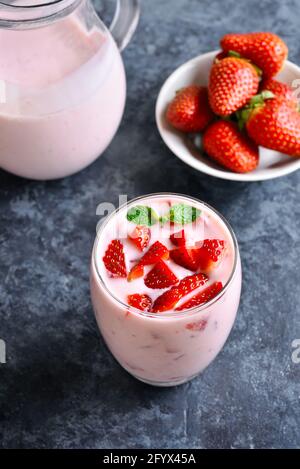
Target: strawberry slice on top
x=137, y=271
x=114, y=259
x=140, y=237
x=160, y=277
x=142, y=302
x=170, y=298
x=155, y=253
x=178, y=239
x=203, y=297
x=210, y=254
x=185, y=257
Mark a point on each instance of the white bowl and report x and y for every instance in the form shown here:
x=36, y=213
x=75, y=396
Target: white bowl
x=196, y=71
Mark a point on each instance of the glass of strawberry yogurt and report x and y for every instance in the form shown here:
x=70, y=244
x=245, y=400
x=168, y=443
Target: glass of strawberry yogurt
x=165, y=286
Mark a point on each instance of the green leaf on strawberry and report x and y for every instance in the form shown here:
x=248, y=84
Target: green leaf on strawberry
x=181, y=214
x=142, y=215
x=232, y=53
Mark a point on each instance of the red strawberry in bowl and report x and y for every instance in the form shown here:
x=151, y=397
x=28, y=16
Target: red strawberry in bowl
x=160, y=277
x=266, y=50
x=140, y=237
x=114, y=259
x=142, y=302
x=231, y=148
x=232, y=83
x=203, y=297
x=170, y=298
x=273, y=123
x=190, y=111
x=280, y=89
x=210, y=254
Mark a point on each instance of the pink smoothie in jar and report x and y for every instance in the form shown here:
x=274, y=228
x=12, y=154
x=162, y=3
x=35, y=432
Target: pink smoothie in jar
x=171, y=345
x=62, y=96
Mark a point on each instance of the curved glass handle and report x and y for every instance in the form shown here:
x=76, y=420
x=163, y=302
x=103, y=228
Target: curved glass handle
x=125, y=21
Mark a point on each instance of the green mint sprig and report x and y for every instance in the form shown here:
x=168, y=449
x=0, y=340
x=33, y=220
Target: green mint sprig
x=181, y=214
x=142, y=215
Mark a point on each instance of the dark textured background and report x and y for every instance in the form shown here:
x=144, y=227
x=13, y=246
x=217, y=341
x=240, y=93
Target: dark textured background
x=60, y=387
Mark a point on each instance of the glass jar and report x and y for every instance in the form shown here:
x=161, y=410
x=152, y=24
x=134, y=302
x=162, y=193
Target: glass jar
x=62, y=84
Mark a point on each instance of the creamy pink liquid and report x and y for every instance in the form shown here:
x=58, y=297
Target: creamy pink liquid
x=62, y=97
x=164, y=348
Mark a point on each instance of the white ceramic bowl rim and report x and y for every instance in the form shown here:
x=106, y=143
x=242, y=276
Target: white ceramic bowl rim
x=264, y=174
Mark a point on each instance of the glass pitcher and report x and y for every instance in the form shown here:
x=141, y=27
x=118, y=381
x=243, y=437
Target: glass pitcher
x=62, y=84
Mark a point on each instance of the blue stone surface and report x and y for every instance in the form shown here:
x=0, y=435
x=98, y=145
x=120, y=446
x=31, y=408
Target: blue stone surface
x=60, y=387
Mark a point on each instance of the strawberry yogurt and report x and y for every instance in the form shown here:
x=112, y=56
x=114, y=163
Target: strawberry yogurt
x=62, y=96
x=169, y=342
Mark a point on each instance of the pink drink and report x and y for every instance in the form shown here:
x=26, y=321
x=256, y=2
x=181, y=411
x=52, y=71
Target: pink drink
x=171, y=347
x=62, y=97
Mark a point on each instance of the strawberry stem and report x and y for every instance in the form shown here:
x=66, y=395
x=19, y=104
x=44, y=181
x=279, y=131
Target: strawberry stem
x=260, y=98
x=258, y=70
x=256, y=101
x=232, y=53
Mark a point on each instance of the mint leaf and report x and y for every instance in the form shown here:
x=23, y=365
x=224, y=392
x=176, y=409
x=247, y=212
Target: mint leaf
x=142, y=215
x=181, y=214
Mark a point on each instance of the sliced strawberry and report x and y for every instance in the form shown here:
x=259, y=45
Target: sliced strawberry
x=210, y=254
x=185, y=257
x=142, y=302
x=114, y=259
x=136, y=272
x=170, y=298
x=160, y=276
x=140, y=237
x=155, y=253
x=178, y=239
x=202, y=297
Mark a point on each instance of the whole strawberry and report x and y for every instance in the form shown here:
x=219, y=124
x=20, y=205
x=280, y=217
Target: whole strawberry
x=232, y=83
x=280, y=89
x=224, y=143
x=190, y=111
x=274, y=124
x=264, y=49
